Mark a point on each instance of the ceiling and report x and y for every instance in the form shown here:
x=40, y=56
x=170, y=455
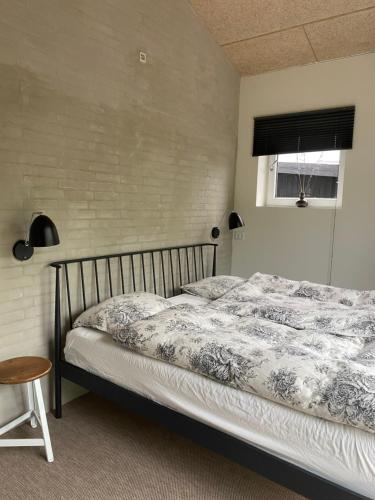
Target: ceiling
x=266, y=35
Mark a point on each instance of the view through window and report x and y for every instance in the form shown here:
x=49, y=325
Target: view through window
x=315, y=173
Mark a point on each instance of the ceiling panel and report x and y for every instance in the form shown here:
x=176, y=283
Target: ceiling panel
x=344, y=36
x=234, y=20
x=264, y=35
x=269, y=52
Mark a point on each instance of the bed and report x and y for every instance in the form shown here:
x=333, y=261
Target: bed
x=313, y=456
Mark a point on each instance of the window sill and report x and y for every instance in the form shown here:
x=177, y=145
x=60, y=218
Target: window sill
x=311, y=204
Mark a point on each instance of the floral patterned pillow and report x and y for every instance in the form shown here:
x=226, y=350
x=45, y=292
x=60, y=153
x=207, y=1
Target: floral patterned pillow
x=366, y=298
x=326, y=293
x=214, y=287
x=244, y=292
x=270, y=283
x=112, y=315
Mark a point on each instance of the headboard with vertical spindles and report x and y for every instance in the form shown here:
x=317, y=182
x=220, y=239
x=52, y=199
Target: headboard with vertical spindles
x=90, y=280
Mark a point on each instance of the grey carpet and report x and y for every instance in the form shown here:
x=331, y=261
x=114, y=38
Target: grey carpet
x=103, y=452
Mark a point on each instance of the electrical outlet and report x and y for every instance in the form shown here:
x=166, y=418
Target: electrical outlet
x=239, y=235
x=143, y=57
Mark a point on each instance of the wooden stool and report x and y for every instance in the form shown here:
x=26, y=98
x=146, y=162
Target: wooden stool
x=28, y=370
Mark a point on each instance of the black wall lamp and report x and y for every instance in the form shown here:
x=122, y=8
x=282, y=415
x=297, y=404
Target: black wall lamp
x=234, y=221
x=41, y=232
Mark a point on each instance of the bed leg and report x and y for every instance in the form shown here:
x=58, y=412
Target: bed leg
x=58, y=349
x=58, y=405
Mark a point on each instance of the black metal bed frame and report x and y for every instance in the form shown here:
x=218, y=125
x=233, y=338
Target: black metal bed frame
x=266, y=464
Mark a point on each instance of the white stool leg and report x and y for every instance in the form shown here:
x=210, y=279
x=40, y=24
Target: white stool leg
x=30, y=403
x=43, y=420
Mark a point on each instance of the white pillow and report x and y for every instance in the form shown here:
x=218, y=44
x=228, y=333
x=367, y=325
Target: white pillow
x=214, y=287
x=345, y=296
x=244, y=292
x=270, y=283
x=366, y=298
x=327, y=293
x=113, y=314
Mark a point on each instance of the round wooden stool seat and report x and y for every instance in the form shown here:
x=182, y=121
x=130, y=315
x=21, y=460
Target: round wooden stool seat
x=24, y=369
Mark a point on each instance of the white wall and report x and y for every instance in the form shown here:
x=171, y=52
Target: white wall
x=296, y=242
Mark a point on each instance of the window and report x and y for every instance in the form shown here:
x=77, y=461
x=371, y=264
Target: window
x=301, y=157
x=319, y=174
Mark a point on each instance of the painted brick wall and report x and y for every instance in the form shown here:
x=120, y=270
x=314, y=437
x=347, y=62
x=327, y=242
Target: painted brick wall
x=121, y=155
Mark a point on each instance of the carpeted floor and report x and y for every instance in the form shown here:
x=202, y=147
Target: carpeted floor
x=103, y=452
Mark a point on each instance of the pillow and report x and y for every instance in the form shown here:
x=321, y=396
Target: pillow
x=187, y=298
x=366, y=298
x=113, y=314
x=326, y=293
x=214, y=287
x=268, y=283
x=244, y=292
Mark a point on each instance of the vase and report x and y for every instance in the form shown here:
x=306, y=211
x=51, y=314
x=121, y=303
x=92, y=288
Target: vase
x=301, y=203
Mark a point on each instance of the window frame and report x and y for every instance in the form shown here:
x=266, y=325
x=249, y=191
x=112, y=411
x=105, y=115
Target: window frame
x=266, y=186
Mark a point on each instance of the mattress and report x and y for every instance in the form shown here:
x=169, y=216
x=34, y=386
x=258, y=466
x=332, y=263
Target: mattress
x=337, y=452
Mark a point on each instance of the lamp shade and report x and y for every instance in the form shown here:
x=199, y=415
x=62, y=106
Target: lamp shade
x=235, y=221
x=43, y=232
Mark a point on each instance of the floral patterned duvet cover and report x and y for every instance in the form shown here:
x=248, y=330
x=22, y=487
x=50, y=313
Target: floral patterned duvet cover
x=313, y=356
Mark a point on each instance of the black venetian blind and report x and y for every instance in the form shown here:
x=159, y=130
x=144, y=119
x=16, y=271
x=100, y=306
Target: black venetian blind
x=320, y=130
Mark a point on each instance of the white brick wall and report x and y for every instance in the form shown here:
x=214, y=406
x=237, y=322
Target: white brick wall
x=121, y=155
